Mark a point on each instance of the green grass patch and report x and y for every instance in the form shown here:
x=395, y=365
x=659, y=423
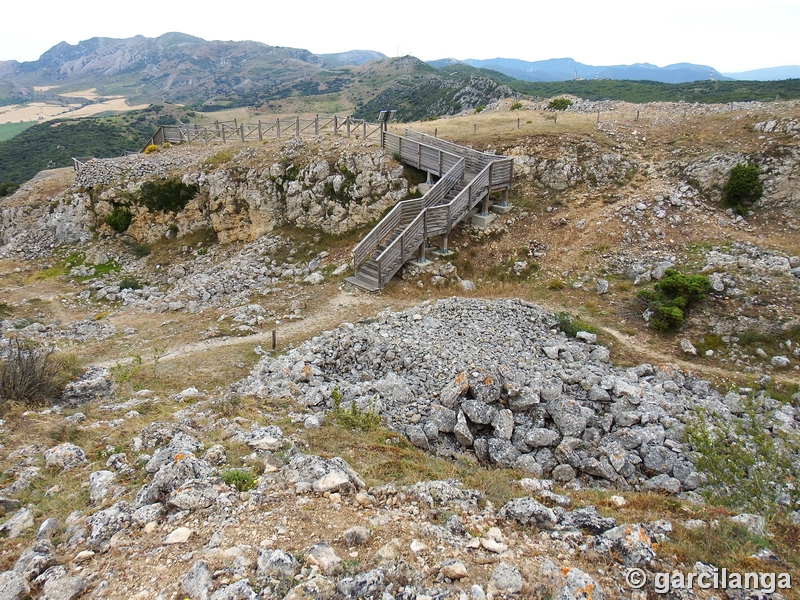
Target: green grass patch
x=242, y=479
x=571, y=325
x=9, y=130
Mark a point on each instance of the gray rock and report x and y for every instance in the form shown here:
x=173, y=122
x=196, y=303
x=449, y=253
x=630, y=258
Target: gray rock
x=170, y=477
x=528, y=511
x=663, y=483
x=659, y=460
x=64, y=588
x=632, y=544
x=316, y=588
x=96, y=383
x=687, y=347
x=780, y=362
x=18, y=523
x=105, y=523
x=276, y=564
x=444, y=418
x=356, y=536
x=36, y=560
x=215, y=455
x=568, y=417
x=587, y=518
x=416, y=435
x=502, y=452
x=755, y=524
x=503, y=424
x=478, y=412
x=485, y=386
x=240, y=590
x=14, y=586
x=364, y=585
x=585, y=336
x=99, y=484
x=528, y=464
x=563, y=473
x=47, y=529
x=64, y=457
x=195, y=494
x=507, y=578
x=462, y=431
x=579, y=586
x=538, y=437
x=324, y=556
x=196, y=582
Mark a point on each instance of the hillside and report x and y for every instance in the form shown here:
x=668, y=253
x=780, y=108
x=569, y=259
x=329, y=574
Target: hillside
x=504, y=422
x=54, y=143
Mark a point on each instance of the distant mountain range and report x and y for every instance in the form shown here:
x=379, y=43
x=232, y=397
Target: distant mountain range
x=565, y=69
x=770, y=74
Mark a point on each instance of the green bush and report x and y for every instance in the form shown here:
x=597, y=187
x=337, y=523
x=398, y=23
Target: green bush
x=516, y=106
x=559, y=104
x=7, y=188
x=672, y=297
x=119, y=219
x=165, y=195
x=747, y=466
x=241, y=479
x=353, y=417
x=743, y=186
x=129, y=283
x=572, y=325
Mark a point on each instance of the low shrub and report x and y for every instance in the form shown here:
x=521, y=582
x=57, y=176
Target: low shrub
x=743, y=187
x=166, y=145
x=165, y=195
x=572, y=325
x=29, y=375
x=747, y=466
x=242, y=479
x=672, y=297
x=151, y=148
x=559, y=104
x=129, y=283
x=516, y=106
x=8, y=188
x=119, y=219
x=352, y=417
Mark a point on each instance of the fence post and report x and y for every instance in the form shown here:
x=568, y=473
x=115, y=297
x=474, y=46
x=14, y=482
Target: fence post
x=260, y=137
x=223, y=133
x=316, y=125
x=364, y=128
x=241, y=132
x=335, y=125
x=277, y=128
x=205, y=134
x=347, y=126
x=297, y=127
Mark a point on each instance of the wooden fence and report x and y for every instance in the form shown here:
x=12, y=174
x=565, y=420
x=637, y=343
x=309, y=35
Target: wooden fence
x=222, y=132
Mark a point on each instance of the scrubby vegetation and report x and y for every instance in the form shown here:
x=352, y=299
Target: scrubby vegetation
x=743, y=187
x=672, y=297
x=119, y=219
x=559, y=104
x=29, y=375
x=748, y=467
x=165, y=195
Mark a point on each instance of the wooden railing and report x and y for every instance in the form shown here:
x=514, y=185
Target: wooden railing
x=502, y=167
x=231, y=131
x=450, y=167
x=430, y=215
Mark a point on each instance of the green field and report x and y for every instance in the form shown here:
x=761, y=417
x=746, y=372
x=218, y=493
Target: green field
x=9, y=130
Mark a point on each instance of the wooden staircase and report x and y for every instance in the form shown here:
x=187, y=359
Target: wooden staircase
x=466, y=177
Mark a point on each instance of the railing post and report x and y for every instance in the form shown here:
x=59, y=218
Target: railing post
x=419, y=155
x=491, y=165
x=223, y=133
x=241, y=132
x=441, y=155
x=297, y=127
x=260, y=136
x=380, y=273
x=364, y=129
x=347, y=126
x=316, y=125
x=383, y=140
x=205, y=134
x=335, y=125
x=277, y=128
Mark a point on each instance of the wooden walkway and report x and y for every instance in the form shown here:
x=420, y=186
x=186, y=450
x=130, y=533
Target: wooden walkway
x=466, y=177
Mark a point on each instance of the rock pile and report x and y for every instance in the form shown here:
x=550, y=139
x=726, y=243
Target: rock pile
x=499, y=379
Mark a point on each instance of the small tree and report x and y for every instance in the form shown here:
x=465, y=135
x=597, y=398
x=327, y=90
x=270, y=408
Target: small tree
x=672, y=297
x=743, y=185
x=559, y=104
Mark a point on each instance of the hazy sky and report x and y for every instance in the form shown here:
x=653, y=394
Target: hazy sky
x=729, y=35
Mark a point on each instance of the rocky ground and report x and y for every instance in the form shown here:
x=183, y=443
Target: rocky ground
x=452, y=437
